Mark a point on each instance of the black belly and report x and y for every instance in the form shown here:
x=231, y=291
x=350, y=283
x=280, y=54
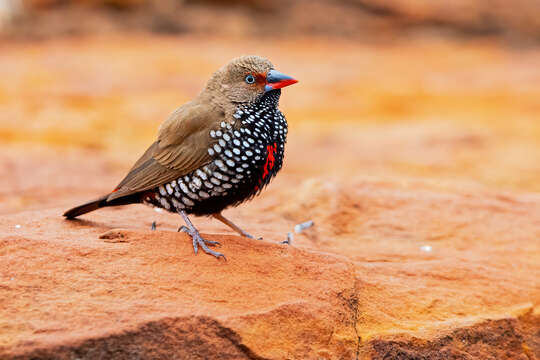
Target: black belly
x=213, y=188
x=226, y=181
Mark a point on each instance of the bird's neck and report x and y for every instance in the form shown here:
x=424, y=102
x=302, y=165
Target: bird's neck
x=271, y=98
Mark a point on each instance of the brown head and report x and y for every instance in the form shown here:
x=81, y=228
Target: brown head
x=246, y=79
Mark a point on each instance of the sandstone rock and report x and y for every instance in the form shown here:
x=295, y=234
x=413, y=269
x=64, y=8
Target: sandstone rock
x=356, y=285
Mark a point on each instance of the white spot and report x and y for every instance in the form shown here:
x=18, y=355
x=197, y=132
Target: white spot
x=208, y=184
x=201, y=174
x=184, y=187
x=249, y=153
x=197, y=182
x=156, y=209
x=193, y=196
x=215, y=181
x=236, y=142
x=212, y=133
x=251, y=140
x=236, y=133
x=217, y=148
x=169, y=189
x=237, y=116
x=226, y=137
x=222, y=142
x=211, y=152
x=244, y=157
x=245, y=166
x=230, y=162
x=18, y=226
x=228, y=153
x=162, y=190
x=204, y=195
x=173, y=183
x=219, y=133
x=219, y=163
x=165, y=203
x=239, y=169
x=177, y=204
x=236, y=151
x=227, y=186
x=245, y=143
x=426, y=248
x=187, y=201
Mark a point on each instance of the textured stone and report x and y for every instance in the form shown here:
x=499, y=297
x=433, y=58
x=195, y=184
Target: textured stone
x=357, y=284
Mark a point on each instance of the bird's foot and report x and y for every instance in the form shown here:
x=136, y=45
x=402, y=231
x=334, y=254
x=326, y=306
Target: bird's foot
x=198, y=240
x=235, y=227
x=290, y=237
x=249, y=236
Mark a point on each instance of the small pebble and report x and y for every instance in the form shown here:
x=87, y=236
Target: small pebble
x=17, y=226
x=426, y=248
x=156, y=209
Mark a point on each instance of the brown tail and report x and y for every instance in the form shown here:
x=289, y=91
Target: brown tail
x=101, y=202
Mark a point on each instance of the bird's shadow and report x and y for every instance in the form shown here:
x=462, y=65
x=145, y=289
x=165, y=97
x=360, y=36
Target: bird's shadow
x=104, y=226
x=90, y=224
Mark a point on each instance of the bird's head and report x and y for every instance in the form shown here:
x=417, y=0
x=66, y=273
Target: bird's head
x=247, y=78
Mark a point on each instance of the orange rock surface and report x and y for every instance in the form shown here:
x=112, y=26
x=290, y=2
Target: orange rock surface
x=426, y=243
x=354, y=284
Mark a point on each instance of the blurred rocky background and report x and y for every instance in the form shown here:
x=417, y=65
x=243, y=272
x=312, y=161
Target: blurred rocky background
x=514, y=21
x=414, y=146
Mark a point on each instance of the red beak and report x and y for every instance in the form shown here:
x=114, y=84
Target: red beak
x=276, y=80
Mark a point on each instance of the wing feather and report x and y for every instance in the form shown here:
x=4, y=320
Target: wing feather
x=181, y=148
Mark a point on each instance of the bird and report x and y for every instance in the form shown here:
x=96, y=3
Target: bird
x=216, y=151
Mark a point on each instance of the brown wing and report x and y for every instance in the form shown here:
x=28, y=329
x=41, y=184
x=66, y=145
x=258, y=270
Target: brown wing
x=181, y=148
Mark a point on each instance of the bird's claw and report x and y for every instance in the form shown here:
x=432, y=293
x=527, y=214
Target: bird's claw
x=198, y=240
x=185, y=229
x=289, y=240
x=249, y=236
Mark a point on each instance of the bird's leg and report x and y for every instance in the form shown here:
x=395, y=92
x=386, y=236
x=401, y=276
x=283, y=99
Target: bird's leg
x=197, y=238
x=233, y=226
x=153, y=227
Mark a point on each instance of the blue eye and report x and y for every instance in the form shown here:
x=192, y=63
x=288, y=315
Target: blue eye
x=250, y=79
